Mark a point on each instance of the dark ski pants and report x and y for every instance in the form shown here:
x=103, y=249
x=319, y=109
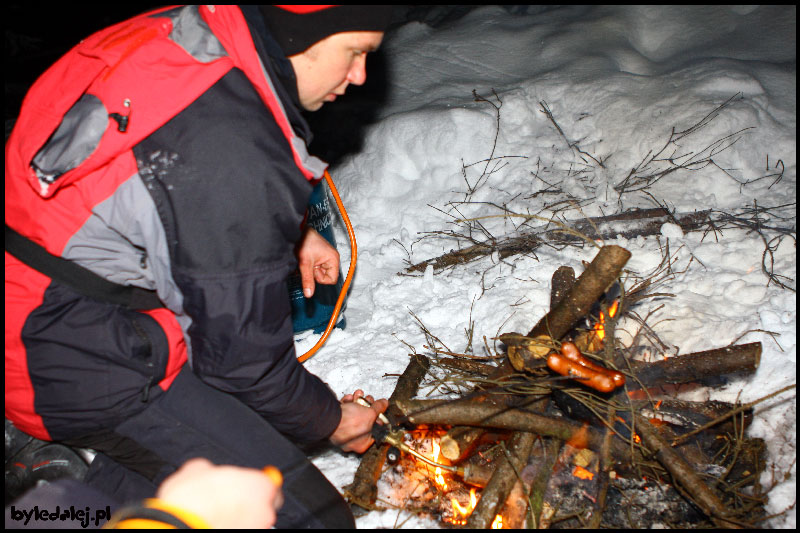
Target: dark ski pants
x=192, y=419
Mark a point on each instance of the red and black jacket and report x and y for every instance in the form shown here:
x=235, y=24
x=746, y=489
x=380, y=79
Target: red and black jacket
x=163, y=153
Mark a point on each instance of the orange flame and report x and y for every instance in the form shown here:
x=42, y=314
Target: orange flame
x=438, y=474
x=460, y=512
x=636, y=438
x=598, y=327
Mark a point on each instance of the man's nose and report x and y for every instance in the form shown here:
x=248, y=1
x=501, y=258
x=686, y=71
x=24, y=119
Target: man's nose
x=358, y=71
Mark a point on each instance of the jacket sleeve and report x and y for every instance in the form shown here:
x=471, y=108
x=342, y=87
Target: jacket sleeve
x=232, y=201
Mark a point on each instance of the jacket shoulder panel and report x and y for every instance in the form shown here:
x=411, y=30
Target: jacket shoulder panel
x=190, y=32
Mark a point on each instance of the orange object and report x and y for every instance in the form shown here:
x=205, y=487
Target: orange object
x=346, y=285
x=273, y=474
x=581, y=473
x=571, y=352
x=591, y=378
x=600, y=327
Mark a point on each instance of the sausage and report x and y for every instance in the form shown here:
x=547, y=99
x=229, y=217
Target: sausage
x=591, y=378
x=571, y=352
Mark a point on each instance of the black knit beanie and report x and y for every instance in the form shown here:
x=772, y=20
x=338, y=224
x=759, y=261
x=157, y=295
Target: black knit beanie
x=296, y=28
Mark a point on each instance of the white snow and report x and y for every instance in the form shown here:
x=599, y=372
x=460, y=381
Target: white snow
x=617, y=79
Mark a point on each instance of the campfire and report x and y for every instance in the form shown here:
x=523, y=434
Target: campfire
x=567, y=428
x=452, y=492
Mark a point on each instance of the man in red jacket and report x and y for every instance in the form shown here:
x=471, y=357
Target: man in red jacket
x=156, y=183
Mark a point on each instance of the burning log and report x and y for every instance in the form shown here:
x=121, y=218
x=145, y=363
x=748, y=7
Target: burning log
x=363, y=491
x=527, y=352
x=460, y=441
x=599, y=275
x=697, y=366
x=503, y=480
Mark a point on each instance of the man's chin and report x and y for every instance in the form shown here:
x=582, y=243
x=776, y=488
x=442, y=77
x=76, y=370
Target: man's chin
x=314, y=106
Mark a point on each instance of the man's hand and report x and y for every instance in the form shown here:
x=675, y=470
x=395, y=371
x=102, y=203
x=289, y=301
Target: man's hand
x=318, y=261
x=353, y=433
x=227, y=497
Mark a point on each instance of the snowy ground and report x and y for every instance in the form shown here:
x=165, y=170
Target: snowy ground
x=617, y=80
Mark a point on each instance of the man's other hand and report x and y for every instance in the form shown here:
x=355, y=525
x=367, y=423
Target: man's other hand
x=318, y=261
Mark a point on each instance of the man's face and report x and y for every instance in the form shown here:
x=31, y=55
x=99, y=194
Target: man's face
x=326, y=69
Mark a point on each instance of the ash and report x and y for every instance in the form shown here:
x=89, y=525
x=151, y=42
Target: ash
x=647, y=504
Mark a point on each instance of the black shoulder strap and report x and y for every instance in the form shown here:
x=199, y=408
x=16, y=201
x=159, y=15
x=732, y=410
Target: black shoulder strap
x=77, y=278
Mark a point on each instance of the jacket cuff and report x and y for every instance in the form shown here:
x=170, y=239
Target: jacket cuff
x=156, y=514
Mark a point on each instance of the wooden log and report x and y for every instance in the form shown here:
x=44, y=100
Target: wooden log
x=363, y=491
x=503, y=480
x=631, y=224
x=526, y=352
x=459, y=442
x=515, y=511
x=484, y=414
x=408, y=383
x=606, y=463
x=560, y=283
x=601, y=273
x=545, y=460
x=697, y=366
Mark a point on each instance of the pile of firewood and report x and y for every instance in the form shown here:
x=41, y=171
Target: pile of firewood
x=577, y=436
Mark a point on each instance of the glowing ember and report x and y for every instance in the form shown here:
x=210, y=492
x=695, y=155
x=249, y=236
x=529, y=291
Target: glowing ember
x=581, y=473
x=636, y=437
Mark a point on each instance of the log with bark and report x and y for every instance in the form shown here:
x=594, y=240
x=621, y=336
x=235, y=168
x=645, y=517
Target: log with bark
x=488, y=415
x=697, y=366
x=527, y=352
